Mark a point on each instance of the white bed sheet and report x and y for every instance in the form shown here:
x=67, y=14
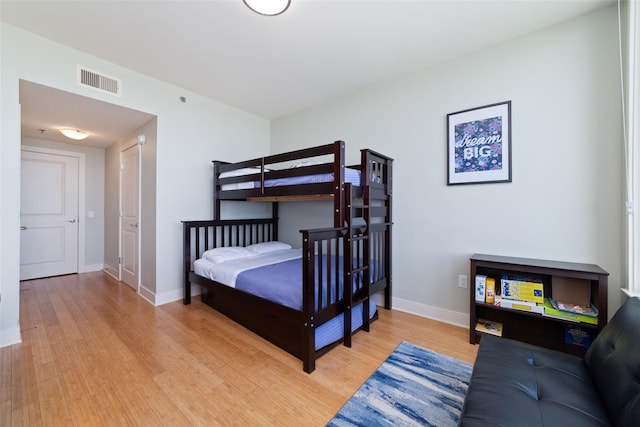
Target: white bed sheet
x=227, y=272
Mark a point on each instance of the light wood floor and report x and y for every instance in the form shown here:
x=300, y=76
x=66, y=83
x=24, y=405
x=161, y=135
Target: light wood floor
x=94, y=353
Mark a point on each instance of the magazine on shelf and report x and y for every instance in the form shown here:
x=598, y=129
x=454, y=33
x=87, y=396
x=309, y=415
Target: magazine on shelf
x=551, y=311
x=489, y=327
x=585, y=310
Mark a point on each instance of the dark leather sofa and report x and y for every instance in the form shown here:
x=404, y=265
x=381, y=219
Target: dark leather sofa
x=518, y=384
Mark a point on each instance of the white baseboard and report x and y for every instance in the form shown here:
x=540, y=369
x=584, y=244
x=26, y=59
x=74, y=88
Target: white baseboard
x=423, y=310
x=166, y=297
x=113, y=272
x=175, y=295
x=10, y=336
x=147, y=295
x=430, y=312
x=91, y=268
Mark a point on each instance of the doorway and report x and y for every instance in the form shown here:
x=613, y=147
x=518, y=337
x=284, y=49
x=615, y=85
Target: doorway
x=43, y=111
x=130, y=216
x=49, y=212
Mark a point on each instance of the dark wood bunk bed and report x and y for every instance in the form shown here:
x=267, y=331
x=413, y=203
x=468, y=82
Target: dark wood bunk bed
x=361, y=232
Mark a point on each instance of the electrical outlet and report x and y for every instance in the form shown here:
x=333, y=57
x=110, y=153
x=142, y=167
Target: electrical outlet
x=462, y=281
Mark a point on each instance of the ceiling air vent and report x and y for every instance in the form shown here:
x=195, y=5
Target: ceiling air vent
x=99, y=81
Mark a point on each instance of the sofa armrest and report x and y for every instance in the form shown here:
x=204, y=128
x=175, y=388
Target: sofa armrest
x=613, y=359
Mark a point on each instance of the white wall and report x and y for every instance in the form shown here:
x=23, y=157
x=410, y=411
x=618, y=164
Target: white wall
x=148, y=202
x=189, y=135
x=565, y=201
x=112, y=205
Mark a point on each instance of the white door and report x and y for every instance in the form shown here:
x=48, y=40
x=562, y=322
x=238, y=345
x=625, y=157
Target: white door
x=129, y=215
x=48, y=215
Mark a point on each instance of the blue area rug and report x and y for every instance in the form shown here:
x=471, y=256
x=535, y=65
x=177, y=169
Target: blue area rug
x=413, y=387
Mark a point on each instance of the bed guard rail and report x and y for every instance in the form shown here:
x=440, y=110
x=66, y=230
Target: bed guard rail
x=199, y=236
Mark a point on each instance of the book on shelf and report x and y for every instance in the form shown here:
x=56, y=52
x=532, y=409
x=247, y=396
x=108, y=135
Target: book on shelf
x=481, y=281
x=550, y=310
x=490, y=290
x=578, y=335
x=523, y=290
x=518, y=305
x=583, y=309
x=489, y=327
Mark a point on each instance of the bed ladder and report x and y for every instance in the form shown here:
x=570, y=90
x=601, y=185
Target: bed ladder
x=357, y=259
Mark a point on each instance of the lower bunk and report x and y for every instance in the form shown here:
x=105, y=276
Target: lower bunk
x=307, y=313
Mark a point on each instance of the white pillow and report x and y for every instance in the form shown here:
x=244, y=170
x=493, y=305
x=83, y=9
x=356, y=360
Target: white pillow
x=227, y=253
x=264, y=247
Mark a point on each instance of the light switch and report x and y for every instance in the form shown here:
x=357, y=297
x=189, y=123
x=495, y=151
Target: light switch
x=91, y=214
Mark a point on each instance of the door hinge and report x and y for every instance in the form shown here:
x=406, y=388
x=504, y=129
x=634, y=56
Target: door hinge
x=121, y=166
x=119, y=260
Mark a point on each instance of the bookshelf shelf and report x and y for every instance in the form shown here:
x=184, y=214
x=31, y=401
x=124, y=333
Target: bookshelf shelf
x=531, y=327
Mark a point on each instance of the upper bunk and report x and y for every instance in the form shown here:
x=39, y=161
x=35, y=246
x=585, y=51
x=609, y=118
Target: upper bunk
x=316, y=173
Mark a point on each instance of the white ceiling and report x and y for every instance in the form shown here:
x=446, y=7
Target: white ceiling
x=273, y=66
x=46, y=110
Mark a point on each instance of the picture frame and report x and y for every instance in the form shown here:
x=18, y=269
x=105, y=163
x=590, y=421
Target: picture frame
x=479, y=145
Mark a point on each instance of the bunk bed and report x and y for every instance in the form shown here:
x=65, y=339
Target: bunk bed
x=355, y=251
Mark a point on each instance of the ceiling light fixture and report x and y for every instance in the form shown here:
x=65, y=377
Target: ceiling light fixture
x=268, y=7
x=74, y=133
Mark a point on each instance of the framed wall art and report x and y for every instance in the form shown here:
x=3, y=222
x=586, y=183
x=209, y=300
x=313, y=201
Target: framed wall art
x=479, y=145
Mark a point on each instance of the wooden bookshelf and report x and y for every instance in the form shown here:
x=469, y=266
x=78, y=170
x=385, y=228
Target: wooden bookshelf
x=531, y=327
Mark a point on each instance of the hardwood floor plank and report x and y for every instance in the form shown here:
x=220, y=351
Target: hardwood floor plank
x=68, y=324
x=53, y=404
x=96, y=354
x=25, y=404
x=5, y=386
x=74, y=388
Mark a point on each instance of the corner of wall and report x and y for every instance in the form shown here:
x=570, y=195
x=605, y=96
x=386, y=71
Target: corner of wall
x=173, y=295
x=10, y=336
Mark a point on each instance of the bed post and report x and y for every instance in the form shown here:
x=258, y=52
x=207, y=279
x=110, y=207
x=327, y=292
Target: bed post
x=308, y=330
x=348, y=251
x=338, y=183
x=275, y=219
x=186, y=259
x=389, y=221
x=377, y=172
x=366, y=254
x=216, y=190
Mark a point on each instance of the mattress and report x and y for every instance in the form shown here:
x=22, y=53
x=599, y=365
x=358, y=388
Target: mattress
x=277, y=276
x=227, y=272
x=350, y=175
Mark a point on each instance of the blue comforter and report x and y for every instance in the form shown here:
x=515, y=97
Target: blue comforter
x=282, y=283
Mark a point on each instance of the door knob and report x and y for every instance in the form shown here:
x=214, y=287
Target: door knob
x=72, y=221
x=23, y=227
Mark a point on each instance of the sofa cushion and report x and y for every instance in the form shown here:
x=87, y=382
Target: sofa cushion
x=614, y=362
x=518, y=384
